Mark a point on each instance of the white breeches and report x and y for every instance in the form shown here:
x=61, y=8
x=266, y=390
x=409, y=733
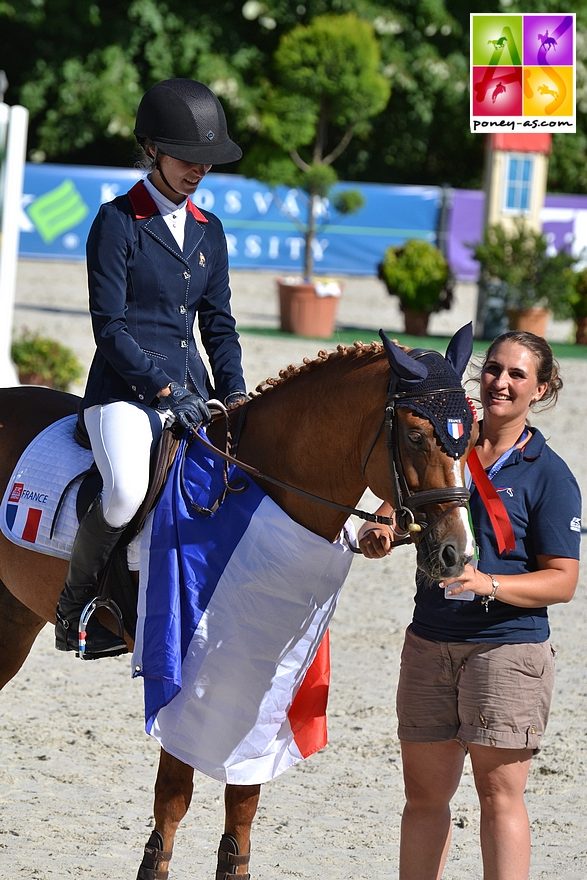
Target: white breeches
x=123, y=435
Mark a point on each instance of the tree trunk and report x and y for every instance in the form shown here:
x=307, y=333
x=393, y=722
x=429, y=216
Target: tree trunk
x=581, y=331
x=309, y=238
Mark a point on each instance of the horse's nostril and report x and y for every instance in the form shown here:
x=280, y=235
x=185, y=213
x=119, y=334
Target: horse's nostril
x=449, y=555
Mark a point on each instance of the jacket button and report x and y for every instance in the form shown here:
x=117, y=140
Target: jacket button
x=182, y=310
x=184, y=343
x=187, y=275
x=133, y=387
x=141, y=396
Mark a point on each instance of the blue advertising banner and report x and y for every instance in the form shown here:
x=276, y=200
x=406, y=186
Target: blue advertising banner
x=263, y=226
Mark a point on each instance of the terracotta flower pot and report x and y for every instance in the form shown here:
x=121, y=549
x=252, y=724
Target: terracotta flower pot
x=305, y=313
x=533, y=320
x=34, y=379
x=416, y=323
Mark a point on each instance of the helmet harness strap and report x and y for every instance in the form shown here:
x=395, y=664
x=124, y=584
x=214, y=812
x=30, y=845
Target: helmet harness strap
x=157, y=166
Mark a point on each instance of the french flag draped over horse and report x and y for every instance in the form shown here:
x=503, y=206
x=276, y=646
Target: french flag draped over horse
x=233, y=612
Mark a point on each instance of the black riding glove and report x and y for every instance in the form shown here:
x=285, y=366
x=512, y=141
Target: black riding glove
x=188, y=408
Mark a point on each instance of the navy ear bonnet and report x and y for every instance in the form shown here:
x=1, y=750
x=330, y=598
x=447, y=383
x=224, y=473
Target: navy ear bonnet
x=435, y=392
x=448, y=411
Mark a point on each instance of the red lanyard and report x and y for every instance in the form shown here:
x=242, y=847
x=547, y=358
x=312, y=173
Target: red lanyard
x=493, y=504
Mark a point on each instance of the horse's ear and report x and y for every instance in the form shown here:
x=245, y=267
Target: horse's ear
x=404, y=366
x=460, y=349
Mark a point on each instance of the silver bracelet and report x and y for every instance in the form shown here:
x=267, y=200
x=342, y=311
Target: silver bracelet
x=485, y=600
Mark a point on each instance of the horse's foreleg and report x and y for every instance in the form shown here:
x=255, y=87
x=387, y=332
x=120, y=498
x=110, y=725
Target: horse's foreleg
x=173, y=795
x=240, y=807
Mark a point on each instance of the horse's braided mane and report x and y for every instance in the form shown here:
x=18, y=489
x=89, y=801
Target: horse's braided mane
x=357, y=349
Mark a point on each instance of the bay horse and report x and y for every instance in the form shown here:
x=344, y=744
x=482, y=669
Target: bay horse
x=361, y=416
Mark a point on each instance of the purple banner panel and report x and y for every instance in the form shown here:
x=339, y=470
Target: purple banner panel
x=465, y=228
x=564, y=222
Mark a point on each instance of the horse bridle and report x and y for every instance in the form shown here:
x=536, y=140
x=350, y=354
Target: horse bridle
x=407, y=513
x=410, y=503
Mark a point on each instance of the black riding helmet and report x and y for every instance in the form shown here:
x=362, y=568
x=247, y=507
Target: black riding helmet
x=185, y=120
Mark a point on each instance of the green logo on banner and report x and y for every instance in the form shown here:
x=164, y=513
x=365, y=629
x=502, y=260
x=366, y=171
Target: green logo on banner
x=57, y=211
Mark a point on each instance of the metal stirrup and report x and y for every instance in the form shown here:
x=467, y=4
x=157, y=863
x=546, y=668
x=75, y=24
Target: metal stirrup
x=86, y=614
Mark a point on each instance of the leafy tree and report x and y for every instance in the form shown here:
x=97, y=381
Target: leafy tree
x=327, y=87
x=424, y=48
x=90, y=69
x=81, y=76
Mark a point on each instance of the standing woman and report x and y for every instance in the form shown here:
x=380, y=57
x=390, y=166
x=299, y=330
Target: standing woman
x=477, y=667
x=155, y=263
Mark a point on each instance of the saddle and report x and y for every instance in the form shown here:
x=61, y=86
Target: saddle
x=51, y=487
x=54, y=482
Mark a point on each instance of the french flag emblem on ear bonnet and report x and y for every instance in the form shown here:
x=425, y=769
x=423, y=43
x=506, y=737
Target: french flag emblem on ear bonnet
x=455, y=428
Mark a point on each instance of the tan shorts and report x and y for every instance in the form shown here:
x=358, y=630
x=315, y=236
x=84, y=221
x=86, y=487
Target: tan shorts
x=487, y=694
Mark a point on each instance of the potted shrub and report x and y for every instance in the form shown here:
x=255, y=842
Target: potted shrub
x=418, y=273
x=533, y=283
x=326, y=87
x=43, y=361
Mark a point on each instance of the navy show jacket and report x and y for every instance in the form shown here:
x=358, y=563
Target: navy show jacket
x=145, y=294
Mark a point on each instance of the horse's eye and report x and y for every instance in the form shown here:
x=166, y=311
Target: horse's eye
x=416, y=437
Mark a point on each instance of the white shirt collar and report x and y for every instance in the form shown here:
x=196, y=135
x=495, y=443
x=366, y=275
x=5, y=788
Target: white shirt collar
x=165, y=205
x=173, y=215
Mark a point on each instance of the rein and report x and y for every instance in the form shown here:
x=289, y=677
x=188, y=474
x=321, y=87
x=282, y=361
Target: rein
x=408, y=502
x=255, y=472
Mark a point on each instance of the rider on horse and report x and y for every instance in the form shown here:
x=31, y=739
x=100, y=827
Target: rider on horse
x=155, y=262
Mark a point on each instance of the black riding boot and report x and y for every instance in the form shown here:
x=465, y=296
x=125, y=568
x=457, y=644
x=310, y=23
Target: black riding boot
x=92, y=547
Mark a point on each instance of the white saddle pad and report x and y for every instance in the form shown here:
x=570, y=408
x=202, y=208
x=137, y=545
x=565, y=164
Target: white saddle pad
x=47, y=465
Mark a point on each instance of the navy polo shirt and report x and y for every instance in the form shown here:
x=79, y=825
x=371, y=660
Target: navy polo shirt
x=543, y=502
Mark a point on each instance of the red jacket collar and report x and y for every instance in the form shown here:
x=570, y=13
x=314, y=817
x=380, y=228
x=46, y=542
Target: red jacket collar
x=144, y=206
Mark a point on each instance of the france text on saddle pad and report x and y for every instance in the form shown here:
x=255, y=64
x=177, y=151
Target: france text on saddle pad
x=28, y=508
